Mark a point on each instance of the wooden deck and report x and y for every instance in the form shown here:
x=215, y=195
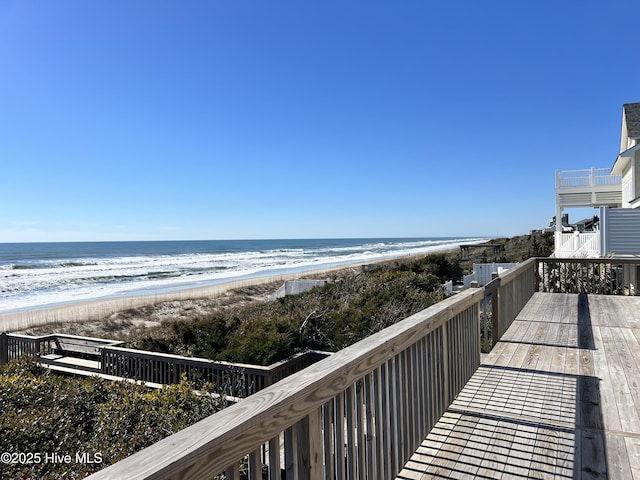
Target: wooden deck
x=558, y=397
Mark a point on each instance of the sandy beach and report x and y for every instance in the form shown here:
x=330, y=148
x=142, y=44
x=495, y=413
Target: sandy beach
x=86, y=317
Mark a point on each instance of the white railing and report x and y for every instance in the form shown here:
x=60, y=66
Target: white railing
x=577, y=245
x=591, y=177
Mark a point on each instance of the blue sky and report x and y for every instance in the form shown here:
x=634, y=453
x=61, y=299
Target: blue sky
x=151, y=120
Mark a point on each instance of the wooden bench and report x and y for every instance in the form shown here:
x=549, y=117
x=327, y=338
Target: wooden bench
x=81, y=347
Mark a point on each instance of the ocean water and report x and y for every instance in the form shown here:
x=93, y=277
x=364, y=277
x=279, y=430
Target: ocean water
x=38, y=274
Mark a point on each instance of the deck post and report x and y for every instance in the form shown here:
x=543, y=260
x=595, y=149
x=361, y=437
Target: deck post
x=4, y=348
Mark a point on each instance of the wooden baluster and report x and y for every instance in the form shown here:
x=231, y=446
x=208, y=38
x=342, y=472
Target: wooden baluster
x=360, y=419
x=4, y=348
x=339, y=436
x=386, y=419
x=274, y=458
x=255, y=465
x=232, y=472
x=351, y=443
x=328, y=439
x=370, y=434
x=395, y=415
x=313, y=465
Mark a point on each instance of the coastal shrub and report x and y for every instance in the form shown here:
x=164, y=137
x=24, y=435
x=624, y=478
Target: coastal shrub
x=442, y=267
x=328, y=318
x=517, y=249
x=262, y=342
x=55, y=415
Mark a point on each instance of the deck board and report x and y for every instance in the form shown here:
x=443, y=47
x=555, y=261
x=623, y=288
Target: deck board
x=558, y=397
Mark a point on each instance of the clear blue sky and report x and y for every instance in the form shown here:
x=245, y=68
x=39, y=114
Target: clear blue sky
x=136, y=120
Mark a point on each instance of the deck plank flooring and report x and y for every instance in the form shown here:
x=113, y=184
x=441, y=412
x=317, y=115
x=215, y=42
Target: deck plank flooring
x=558, y=397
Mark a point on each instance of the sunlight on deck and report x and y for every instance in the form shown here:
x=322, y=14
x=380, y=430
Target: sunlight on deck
x=558, y=397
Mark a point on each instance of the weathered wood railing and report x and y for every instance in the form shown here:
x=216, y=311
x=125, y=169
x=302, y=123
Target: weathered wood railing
x=235, y=379
x=359, y=413
x=607, y=276
x=509, y=294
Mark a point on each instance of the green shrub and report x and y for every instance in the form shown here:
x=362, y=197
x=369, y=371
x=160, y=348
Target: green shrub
x=51, y=414
x=327, y=318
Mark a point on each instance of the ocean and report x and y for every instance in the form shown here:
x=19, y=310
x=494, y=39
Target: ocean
x=39, y=274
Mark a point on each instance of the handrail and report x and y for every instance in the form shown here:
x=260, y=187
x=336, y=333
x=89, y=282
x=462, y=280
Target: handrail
x=509, y=294
x=14, y=345
x=19, y=344
x=236, y=379
x=232, y=379
x=364, y=409
x=586, y=177
x=608, y=276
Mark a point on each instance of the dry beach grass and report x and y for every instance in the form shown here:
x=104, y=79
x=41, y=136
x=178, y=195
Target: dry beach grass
x=126, y=317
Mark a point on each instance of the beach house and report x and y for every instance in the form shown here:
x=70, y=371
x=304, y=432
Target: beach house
x=614, y=191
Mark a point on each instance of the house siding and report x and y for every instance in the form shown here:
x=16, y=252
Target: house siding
x=621, y=232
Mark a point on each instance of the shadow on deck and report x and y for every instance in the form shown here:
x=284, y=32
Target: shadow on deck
x=555, y=399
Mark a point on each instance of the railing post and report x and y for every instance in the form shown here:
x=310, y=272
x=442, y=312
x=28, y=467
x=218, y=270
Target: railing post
x=4, y=348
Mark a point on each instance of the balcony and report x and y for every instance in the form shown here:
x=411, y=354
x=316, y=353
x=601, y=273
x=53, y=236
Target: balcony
x=592, y=187
x=557, y=395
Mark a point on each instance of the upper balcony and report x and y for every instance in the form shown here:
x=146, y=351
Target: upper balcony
x=592, y=187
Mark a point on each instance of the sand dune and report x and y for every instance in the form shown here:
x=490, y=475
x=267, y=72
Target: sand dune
x=102, y=308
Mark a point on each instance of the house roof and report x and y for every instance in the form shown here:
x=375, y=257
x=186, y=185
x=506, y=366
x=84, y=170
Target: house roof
x=623, y=160
x=587, y=222
x=632, y=116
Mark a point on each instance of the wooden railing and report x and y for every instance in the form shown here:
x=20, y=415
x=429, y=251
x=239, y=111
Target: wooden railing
x=14, y=345
x=359, y=413
x=509, y=294
x=608, y=276
x=232, y=379
x=235, y=379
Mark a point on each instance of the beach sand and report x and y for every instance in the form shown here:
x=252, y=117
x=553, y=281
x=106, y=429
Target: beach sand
x=109, y=316
x=125, y=316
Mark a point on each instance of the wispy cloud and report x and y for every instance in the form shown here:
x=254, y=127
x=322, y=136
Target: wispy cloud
x=24, y=223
